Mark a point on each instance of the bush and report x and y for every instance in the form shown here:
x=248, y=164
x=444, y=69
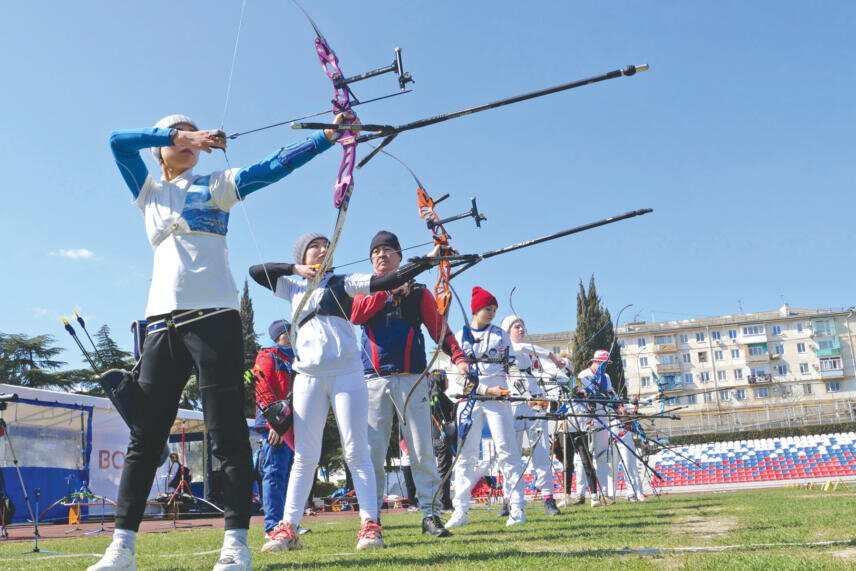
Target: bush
x=324, y=489
x=764, y=433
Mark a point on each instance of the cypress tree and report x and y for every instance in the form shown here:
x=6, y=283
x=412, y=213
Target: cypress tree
x=591, y=316
x=251, y=338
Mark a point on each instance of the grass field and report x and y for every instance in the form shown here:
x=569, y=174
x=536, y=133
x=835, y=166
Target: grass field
x=737, y=530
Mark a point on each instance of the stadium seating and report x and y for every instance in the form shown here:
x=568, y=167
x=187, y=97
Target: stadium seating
x=828, y=456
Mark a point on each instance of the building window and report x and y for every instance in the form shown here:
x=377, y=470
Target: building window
x=806, y=388
x=779, y=349
x=735, y=353
x=688, y=377
x=716, y=335
x=621, y=343
x=833, y=386
x=787, y=390
x=762, y=393
x=691, y=399
x=671, y=379
x=798, y=326
x=702, y=356
x=699, y=336
x=757, y=350
x=830, y=364
x=824, y=328
x=724, y=396
x=643, y=361
x=800, y=347
x=646, y=381
x=624, y=363
x=753, y=330
x=668, y=359
x=732, y=334
x=673, y=400
x=686, y=358
x=827, y=344
x=721, y=376
x=556, y=349
x=708, y=397
x=804, y=368
x=684, y=338
x=782, y=369
x=777, y=329
x=740, y=394
x=640, y=341
x=717, y=355
x=664, y=340
x=738, y=374
x=705, y=376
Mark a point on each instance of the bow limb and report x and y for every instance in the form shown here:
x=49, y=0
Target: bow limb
x=344, y=179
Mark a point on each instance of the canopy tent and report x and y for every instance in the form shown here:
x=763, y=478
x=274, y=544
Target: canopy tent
x=64, y=442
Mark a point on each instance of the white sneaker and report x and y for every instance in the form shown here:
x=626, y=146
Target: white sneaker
x=459, y=518
x=640, y=497
x=517, y=517
x=595, y=503
x=234, y=558
x=116, y=558
x=370, y=536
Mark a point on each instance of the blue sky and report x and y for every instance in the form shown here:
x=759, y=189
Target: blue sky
x=740, y=138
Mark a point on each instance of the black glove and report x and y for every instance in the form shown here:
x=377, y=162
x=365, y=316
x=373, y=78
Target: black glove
x=279, y=416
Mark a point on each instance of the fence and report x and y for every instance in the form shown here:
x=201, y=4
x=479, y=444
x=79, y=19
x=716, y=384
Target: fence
x=735, y=420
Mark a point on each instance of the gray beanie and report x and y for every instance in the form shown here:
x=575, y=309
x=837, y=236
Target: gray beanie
x=302, y=243
x=169, y=122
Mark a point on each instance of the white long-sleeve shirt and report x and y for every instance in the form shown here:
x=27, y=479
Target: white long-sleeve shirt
x=326, y=344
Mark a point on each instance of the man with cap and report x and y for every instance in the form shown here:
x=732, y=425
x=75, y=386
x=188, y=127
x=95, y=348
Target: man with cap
x=597, y=384
x=272, y=372
x=490, y=347
x=192, y=316
x=524, y=382
x=393, y=360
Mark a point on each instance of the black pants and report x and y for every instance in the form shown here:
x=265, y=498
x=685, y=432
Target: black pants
x=215, y=345
x=575, y=442
x=412, y=500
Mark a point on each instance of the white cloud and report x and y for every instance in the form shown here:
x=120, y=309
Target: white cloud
x=41, y=311
x=75, y=253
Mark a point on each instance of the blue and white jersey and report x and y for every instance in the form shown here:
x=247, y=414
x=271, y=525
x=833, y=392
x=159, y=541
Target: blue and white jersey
x=493, y=352
x=187, y=218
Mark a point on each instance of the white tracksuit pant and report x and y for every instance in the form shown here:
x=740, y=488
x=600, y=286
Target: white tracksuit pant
x=541, y=462
x=598, y=444
x=386, y=398
x=501, y=423
x=627, y=462
x=312, y=399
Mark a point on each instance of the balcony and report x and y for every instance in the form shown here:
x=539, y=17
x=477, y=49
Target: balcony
x=762, y=358
x=830, y=352
x=832, y=374
x=668, y=348
x=760, y=379
x=663, y=369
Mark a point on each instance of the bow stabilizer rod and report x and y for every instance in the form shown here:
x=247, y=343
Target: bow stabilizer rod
x=472, y=212
x=390, y=131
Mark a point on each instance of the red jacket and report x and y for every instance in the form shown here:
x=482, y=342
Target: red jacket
x=273, y=382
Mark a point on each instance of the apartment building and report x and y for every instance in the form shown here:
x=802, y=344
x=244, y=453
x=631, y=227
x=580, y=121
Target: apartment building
x=747, y=360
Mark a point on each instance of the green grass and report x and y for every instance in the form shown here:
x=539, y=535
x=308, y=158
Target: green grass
x=580, y=538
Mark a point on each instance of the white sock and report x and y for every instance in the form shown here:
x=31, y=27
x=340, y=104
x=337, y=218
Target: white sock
x=235, y=537
x=126, y=538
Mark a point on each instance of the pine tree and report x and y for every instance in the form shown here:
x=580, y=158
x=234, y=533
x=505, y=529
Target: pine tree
x=31, y=362
x=591, y=316
x=110, y=356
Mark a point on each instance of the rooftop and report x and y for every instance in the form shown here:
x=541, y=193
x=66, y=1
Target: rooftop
x=783, y=313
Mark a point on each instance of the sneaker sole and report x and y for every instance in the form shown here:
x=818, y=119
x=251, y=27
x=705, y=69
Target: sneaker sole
x=371, y=544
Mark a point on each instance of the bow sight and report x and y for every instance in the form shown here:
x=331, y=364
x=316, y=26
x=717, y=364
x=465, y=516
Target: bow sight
x=397, y=66
x=473, y=212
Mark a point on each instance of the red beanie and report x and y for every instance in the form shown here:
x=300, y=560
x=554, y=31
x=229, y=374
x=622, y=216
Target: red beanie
x=481, y=298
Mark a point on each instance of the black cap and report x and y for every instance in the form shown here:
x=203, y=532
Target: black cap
x=384, y=238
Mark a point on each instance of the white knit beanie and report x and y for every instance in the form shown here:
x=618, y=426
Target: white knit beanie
x=169, y=122
x=507, y=322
